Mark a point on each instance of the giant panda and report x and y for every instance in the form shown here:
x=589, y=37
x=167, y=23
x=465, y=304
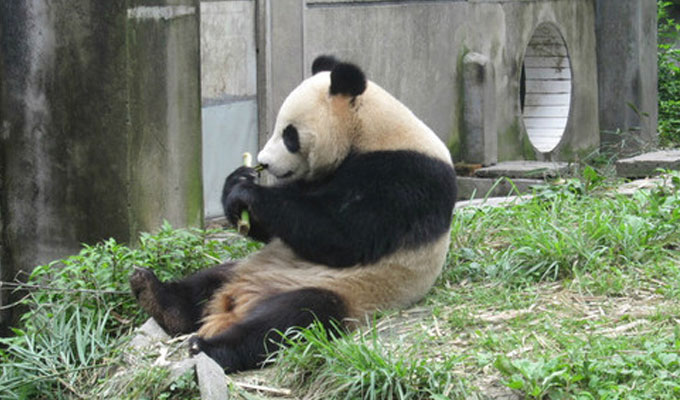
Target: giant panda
x=356, y=220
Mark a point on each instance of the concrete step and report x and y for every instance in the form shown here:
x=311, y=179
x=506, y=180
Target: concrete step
x=476, y=188
x=524, y=169
x=647, y=164
x=493, y=201
x=522, y=176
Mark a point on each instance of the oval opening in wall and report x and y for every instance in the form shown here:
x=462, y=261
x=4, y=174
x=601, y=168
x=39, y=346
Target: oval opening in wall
x=545, y=88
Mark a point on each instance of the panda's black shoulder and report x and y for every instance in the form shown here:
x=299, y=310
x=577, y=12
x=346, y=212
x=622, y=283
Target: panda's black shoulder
x=394, y=166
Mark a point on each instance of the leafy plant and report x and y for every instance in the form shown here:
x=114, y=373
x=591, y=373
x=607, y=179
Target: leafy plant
x=601, y=368
x=562, y=232
x=669, y=76
x=80, y=310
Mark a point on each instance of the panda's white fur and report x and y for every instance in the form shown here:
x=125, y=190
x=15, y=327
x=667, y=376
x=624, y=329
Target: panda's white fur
x=331, y=125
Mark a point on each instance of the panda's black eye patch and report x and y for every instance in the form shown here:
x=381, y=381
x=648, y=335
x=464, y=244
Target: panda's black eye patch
x=291, y=139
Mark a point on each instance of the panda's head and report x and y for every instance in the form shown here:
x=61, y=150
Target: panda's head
x=314, y=128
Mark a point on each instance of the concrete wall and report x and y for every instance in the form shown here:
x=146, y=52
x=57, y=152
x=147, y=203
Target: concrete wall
x=100, y=117
x=416, y=49
x=228, y=89
x=627, y=57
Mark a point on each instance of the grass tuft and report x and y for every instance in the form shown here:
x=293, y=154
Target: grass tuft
x=80, y=311
x=562, y=233
x=317, y=364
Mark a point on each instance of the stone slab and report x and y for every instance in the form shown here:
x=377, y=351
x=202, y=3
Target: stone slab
x=493, y=201
x=475, y=188
x=658, y=182
x=648, y=163
x=211, y=379
x=524, y=169
x=150, y=332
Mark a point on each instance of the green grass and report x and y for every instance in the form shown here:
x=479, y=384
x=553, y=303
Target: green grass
x=669, y=76
x=562, y=233
x=319, y=365
x=80, y=313
x=572, y=294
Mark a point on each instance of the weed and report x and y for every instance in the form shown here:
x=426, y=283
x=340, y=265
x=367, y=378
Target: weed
x=80, y=311
x=562, y=233
x=318, y=364
x=669, y=76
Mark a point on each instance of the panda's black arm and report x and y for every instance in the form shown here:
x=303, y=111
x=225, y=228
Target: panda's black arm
x=374, y=204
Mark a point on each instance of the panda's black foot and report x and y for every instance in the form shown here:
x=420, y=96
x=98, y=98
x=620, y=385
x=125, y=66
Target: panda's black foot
x=195, y=345
x=144, y=286
x=148, y=291
x=225, y=356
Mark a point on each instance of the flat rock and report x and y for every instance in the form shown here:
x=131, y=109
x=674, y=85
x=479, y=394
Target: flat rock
x=492, y=201
x=648, y=163
x=653, y=183
x=524, y=169
x=179, y=368
x=211, y=379
x=474, y=188
x=150, y=332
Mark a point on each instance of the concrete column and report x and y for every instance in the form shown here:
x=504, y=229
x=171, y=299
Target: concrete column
x=627, y=71
x=99, y=124
x=480, y=141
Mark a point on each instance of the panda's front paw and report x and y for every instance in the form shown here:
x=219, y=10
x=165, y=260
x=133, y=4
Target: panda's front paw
x=240, y=199
x=240, y=175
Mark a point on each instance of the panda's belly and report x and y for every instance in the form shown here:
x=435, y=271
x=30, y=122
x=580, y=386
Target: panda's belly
x=396, y=281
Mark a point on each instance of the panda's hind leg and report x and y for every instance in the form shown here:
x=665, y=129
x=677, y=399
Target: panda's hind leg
x=246, y=344
x=177, y=306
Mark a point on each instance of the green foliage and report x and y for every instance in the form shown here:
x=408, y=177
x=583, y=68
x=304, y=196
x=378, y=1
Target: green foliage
x=669, y=77
x=80, y=310
x=563, y=232
x=319, y=365
x=608, y=368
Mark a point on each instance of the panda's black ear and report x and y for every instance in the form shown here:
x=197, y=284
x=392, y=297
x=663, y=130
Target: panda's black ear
x=323, y=63
x=347, y=79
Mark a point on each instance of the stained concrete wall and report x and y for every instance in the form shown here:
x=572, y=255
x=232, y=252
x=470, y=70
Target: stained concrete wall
x=416, y=49
x=100, y=117
x=627, y=72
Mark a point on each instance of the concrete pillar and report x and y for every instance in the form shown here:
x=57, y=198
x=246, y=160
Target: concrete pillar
x=627, y=72
x=100, y=124
x=480, y=141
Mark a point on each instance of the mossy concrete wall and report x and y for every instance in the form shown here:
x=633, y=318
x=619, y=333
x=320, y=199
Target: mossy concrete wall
x=100, y=118
x=627, y=73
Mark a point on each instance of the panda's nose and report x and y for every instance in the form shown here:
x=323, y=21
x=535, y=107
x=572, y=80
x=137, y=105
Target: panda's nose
x=264, y=166
x=263, y=157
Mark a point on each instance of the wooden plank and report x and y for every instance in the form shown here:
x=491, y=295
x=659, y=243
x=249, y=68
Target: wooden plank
x=547, y=99
x=546, y=111
x=547, y=50
x=544, y=134
x=546, y=62
x=550, y=122
x=548, y=73
x=545, y=140
x=548, y=86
